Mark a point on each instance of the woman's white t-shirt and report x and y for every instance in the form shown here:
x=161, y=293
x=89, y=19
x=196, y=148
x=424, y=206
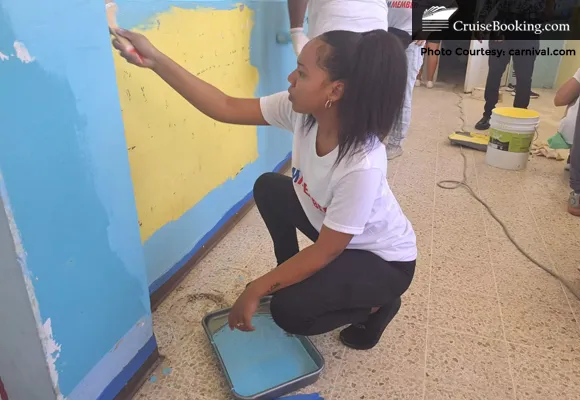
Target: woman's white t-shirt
x=352, y=197
x=346, y=15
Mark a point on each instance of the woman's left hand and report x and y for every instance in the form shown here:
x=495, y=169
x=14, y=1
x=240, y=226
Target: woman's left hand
x=240, y=316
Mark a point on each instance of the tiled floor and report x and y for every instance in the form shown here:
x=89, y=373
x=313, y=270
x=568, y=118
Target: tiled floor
x=479, y=321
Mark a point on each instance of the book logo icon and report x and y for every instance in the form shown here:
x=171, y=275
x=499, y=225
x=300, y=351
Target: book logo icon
x=436, y=18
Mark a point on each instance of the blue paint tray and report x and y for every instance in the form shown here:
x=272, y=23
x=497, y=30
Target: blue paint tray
x=265, y=364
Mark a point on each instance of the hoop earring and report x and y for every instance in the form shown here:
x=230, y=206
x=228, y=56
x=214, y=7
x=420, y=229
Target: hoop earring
x=328, y=104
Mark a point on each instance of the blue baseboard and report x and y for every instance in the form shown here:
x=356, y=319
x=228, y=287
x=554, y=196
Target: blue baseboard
x=227, y=216
x=130, y=371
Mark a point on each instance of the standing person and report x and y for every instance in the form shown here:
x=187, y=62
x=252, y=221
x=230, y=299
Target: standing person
x=431, y=59
x=401, y=22
x=525, y=43
x=567, y=95
x=331, y=15
x=344, y=98
x=574, y=161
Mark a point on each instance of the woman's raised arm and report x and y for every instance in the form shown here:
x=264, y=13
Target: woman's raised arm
x=205, y=97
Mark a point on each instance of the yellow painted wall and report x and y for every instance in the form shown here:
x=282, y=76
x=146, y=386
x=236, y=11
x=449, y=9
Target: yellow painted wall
x=569, y=64
x=177, y=154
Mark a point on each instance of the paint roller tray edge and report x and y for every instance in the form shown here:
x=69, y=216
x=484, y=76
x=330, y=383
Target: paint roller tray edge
x=214, y=322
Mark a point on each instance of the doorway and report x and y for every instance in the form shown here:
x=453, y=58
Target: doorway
x=452, y=67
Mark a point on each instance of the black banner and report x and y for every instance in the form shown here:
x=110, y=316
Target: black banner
x=494, y=19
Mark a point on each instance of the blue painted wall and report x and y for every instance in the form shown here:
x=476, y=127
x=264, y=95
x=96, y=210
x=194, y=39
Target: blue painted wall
x=172, y=245
x=64, y=162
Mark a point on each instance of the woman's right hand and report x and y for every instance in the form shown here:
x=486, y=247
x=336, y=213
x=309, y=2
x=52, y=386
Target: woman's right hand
x=136, y=48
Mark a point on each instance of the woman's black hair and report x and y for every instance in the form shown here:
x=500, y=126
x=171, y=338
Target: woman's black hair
x=373, y=68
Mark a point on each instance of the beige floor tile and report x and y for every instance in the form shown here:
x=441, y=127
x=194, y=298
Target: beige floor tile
x=456, y=199
x=505, y=254
x=372, y=384
x=401, y=351
x=193, y=368
x=465, y=312
x=464, y=361
x=463, y=275
x=439, y=392
x=461, y=237
x=540, y=326
x=530, y=284
x=543, y=374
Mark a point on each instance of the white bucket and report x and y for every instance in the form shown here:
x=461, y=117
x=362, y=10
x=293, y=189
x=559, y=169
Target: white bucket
x=511, y=134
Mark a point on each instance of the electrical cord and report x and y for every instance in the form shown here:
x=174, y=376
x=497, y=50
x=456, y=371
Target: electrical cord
x=449, y=184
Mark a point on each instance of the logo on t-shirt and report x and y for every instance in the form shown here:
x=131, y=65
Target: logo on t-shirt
x=400, y=4
x=298, y=179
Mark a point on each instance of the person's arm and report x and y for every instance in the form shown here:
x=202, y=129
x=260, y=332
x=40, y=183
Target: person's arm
x=346, y=216
x=569, y=91
x=297, y=12
x=330, y=244
x=205, y=97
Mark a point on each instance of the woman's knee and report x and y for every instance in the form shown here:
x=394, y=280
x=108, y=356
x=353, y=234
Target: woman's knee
x=288, y=315
x=264, y=185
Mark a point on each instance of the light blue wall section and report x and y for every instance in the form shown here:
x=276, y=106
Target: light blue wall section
x=173, y=244
x=64, y=161
x=546, y=67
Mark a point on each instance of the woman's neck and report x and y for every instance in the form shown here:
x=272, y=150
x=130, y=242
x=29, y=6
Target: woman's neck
x=327, y=134
x=327, y=124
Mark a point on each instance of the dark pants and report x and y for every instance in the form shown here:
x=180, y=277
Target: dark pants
x=523, y=68
x=575, y=158
x=339, y=294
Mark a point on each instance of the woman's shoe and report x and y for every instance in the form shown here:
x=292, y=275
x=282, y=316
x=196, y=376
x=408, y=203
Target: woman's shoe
x=367, y=335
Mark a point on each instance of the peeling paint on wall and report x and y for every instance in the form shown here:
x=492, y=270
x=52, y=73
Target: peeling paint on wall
x=22, y=53
x=51, y=348
x=44, y=331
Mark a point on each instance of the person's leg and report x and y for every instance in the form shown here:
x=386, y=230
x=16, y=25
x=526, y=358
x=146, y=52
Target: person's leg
x=282, y=213
x=432, y=60
x=396, y=137
x=524, y=69
x=344, y=292
x=496, y=69
x=420, y=72
x=574, y=200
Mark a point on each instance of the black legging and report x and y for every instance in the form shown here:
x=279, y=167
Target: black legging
x=343, y=292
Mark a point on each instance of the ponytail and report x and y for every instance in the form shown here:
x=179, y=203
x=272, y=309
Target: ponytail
x=373, y=68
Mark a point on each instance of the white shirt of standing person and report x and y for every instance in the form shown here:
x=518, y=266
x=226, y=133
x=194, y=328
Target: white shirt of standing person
x=344, y=15
x=352, y=197
x=568, y=123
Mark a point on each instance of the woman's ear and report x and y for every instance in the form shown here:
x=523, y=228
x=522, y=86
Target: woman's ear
x=337, y=91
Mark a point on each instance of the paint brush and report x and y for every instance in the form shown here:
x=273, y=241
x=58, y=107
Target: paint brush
x=112, y=9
